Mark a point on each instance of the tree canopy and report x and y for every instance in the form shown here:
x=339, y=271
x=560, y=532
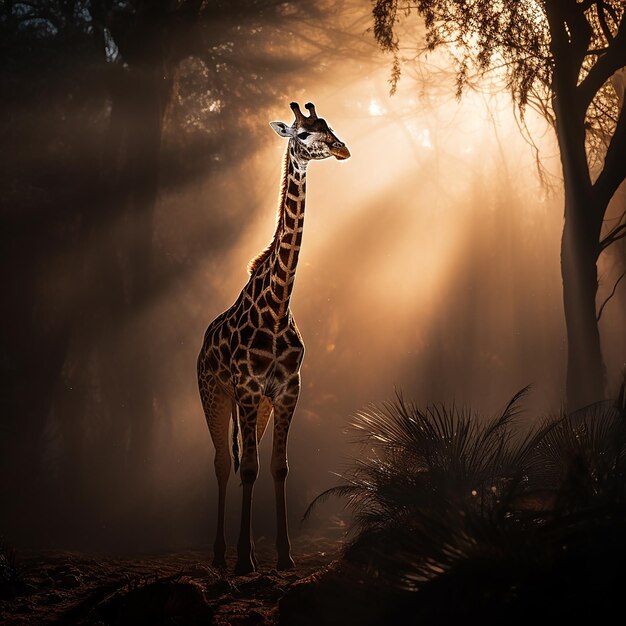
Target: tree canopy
x=523, y=40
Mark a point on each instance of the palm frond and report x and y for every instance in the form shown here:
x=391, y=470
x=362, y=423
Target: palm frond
x=436, y=487
x=340, y=491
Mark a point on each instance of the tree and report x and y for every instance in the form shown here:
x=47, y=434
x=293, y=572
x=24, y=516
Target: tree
x=561, y=58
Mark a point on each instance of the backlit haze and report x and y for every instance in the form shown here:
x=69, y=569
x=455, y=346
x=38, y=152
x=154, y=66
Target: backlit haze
x=430, y=265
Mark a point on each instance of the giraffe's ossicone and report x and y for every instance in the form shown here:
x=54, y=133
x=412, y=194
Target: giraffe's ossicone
x=249, y=364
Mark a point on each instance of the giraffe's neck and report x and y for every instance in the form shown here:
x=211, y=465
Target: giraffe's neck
x=272, y=272
x=288, y=238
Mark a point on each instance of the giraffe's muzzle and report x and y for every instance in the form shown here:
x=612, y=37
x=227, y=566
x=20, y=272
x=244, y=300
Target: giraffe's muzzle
x=340, y=152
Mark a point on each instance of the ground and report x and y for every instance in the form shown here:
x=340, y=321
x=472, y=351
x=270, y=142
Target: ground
x=180, y=587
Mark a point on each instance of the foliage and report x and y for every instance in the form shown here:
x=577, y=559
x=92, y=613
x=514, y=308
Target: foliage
x=438, y=491
x=582, y=459
x=515, y=38
x=437, y=458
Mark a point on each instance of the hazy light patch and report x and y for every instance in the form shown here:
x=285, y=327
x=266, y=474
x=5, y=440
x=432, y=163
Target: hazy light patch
x=417, y=268
x=424, y=140
x=214, y=106
x=374, y=109
x=408, y=276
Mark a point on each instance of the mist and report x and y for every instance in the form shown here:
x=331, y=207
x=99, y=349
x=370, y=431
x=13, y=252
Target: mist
x=430, y=266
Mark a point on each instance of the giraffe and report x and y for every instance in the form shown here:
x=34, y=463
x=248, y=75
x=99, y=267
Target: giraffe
x=249, y=363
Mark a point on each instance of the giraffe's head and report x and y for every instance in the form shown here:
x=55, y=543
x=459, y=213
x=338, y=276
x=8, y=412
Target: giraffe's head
x=315, y=139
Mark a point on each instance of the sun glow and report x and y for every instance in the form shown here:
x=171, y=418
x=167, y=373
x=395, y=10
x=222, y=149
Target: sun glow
x=374, y=109
x=423, y=138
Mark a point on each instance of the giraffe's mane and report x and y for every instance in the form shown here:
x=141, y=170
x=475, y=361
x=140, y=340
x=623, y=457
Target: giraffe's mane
x=260, y=258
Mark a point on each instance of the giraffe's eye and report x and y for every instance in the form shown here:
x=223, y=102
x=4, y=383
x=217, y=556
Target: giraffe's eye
x=303, y=135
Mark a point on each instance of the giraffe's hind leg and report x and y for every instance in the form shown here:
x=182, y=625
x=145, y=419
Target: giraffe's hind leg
x=217, y=409
x=284, y=407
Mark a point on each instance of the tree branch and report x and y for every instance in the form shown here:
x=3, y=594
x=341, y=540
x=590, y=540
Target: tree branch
x=605, y=66
x=610, y=9
x=614, y=169
x=617, y=282
x=600, y=8
x=580, y=33
x=596, y=52
x=619, y=232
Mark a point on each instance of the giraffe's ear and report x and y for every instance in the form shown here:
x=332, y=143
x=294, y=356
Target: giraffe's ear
x=280, y=128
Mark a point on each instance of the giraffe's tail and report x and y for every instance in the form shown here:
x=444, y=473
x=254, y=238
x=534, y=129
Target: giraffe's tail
x=235, y=418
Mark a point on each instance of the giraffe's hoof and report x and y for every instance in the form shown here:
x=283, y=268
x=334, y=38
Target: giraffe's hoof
x=284, y=564
x=244, y=567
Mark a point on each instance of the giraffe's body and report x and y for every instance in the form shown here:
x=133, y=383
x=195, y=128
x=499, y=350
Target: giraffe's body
x=249, y=364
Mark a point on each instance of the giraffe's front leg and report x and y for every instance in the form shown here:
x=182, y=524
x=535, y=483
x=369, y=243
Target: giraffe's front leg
x=284, y=407
x=248, y=407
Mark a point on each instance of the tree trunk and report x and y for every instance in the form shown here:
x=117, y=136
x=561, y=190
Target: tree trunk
x=585, y=367
x=579, y=254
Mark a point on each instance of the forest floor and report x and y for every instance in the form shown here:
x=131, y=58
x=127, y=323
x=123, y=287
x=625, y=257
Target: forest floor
x=180, y=587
